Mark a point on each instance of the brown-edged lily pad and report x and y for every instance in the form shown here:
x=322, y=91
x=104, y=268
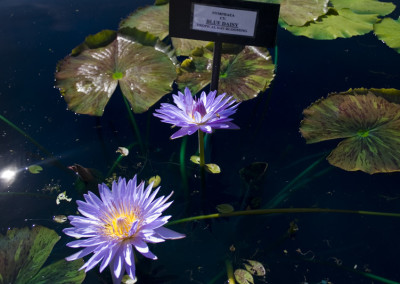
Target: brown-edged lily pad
x=388, y=31
x=243, y=75
x=137, y=61
x=23, y=253
x=370, y=124
x=155, y=20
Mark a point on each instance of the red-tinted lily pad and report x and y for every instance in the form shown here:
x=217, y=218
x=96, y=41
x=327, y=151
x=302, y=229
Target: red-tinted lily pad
x=370, y=123
x=243, y=75
x=136, y=60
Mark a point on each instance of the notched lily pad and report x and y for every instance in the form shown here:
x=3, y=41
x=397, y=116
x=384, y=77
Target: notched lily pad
x=35, y=169
x=388, y=31
x=243, y=276
x=156, y=179
x=137, y=61
x=370, y=124
x=255, y=267
x=243, y=75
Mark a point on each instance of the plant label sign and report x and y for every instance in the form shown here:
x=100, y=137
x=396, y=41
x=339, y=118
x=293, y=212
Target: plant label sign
x=231, y=21
x=224, y=20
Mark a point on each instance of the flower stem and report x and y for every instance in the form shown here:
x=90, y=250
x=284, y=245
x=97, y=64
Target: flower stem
x=182, y=163
x=41, y=148
x=283, y=210
x=201, y=149
x=134, y=124
x=229, y=272
x=202, y=167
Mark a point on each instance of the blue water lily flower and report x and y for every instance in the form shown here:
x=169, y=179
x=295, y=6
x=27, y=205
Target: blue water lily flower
x=127, y=217
x=209, y=112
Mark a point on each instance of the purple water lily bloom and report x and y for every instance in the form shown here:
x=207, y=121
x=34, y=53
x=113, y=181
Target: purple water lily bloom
x=206, y=113
x=125, y=218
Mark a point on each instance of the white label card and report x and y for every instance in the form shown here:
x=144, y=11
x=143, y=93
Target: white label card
x=224, y=20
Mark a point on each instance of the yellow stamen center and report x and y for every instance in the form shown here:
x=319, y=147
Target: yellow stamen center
x=118, y=226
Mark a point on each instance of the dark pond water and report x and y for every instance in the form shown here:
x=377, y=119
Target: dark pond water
x=35, y=35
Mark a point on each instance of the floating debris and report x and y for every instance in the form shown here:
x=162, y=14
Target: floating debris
x=123, y=151
x=63, y=196
x=60, y=218
x=128, y=280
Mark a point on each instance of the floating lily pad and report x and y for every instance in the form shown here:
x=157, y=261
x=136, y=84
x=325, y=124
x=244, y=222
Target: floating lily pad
x=134, y=59
x=184, y=46
x=255, y=267
x=340, y=23
x=61, y=272
x=370, y=123
x=225, y=208
x=299, y=12
x=365, y=6
x=243, y=75
x=212, y=168
x=23, y=252
x=153, y=19
x=243, y=276
x=156, y=179
x=388, y=31
x=35, y=169
x=195, y=159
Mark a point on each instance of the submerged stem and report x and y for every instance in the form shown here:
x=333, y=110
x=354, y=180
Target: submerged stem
x=134, y=124
x=283, y=210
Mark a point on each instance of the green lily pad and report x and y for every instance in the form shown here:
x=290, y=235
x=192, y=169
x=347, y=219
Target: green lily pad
x=35, y=169
x=243, y=75
x=61, y=272
x=299, y=12
x=243, y=276
x=225, y=208
x=23, y=252
x=370, y=123
x=153, y=19
x=195, y=159
x=388, y=31
x=341, y=23
x=212, y=168
x=135, y=60
x=365, y=6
